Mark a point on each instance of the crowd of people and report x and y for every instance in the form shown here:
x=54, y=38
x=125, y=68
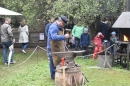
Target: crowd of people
x=75, y=36
x=8, y=39
x=58, y=36
x=81, y=38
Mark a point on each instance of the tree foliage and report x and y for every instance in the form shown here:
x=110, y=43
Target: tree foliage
x=90, y=12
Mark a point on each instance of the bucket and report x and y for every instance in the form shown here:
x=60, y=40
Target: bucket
x=109, y=60
x=73, y=77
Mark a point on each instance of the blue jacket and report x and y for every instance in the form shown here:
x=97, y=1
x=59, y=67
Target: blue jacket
x=85, y=39
x=47, y=28
x=53, y=34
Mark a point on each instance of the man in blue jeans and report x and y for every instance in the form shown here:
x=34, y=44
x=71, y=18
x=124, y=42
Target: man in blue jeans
x=7, y=39
x=53, y=35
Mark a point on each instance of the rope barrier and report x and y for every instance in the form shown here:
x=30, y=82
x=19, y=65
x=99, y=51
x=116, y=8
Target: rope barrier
x=100, y=51
x=46, y=51
x=42, y=48
x=24, y=60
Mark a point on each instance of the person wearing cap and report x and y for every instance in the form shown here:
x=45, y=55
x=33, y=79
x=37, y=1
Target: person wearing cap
x=55, y=42
x=98, y=44
x=85, y=41
x=77, y=30
x=113, y=39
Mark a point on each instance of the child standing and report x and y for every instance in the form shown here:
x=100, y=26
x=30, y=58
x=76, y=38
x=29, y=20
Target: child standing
x=85, y=40
x=113, y=39
x=98, y=44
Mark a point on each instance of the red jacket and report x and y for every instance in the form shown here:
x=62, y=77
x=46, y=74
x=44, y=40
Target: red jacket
x=98, y=40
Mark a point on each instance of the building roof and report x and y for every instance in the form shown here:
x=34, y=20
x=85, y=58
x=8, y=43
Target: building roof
x=123, y=21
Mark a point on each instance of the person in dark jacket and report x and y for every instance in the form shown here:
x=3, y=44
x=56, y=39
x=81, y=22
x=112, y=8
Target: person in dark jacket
x=48, y=25
x=70, y=25
x=104, y=28
x=85, y=41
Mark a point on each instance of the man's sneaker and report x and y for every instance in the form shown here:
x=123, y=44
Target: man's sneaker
x=12, y=62
x=6, y=63
x=23, y=51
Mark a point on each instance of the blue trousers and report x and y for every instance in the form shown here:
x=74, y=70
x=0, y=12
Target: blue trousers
x=52, y=67
x=24, y=46
x=77, y=42
x=6, y=46
x=112, y=50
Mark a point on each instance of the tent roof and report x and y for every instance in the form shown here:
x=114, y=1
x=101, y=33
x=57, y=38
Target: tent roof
x=4, y=11
x=123, y=21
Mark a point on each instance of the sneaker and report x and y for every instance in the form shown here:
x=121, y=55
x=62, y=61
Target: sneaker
x=23, y=51
x=12, y=62
x=6, y=63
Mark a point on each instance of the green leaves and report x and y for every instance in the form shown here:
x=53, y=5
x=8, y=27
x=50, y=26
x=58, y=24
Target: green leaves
x=86, y=10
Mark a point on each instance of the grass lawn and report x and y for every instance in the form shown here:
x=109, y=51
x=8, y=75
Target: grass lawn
x=35, y=72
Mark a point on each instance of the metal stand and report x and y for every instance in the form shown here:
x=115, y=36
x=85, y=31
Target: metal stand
x=121, y=54
x=106, y=62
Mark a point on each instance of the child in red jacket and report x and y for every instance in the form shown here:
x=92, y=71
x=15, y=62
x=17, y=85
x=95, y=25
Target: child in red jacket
x=98, y=44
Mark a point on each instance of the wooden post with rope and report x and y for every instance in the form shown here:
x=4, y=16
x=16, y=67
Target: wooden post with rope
x=63, y=67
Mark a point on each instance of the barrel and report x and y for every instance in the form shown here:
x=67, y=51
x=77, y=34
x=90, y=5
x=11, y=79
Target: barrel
x=73, y=77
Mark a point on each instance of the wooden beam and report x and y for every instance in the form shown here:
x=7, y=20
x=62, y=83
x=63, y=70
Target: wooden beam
x=127, y=5
x=128, y=56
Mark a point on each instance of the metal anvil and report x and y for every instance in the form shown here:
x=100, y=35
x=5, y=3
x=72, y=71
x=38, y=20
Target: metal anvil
x=69, y=56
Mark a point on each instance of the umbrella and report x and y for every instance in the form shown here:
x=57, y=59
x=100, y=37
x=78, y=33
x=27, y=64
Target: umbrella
x=4, y=11
x=10, y=54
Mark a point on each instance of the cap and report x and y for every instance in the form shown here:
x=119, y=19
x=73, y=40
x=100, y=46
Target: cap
x=113, y=33
x=85, y=29
x=64, y=19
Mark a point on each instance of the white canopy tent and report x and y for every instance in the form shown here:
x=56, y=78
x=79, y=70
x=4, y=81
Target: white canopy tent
x=4, y=11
